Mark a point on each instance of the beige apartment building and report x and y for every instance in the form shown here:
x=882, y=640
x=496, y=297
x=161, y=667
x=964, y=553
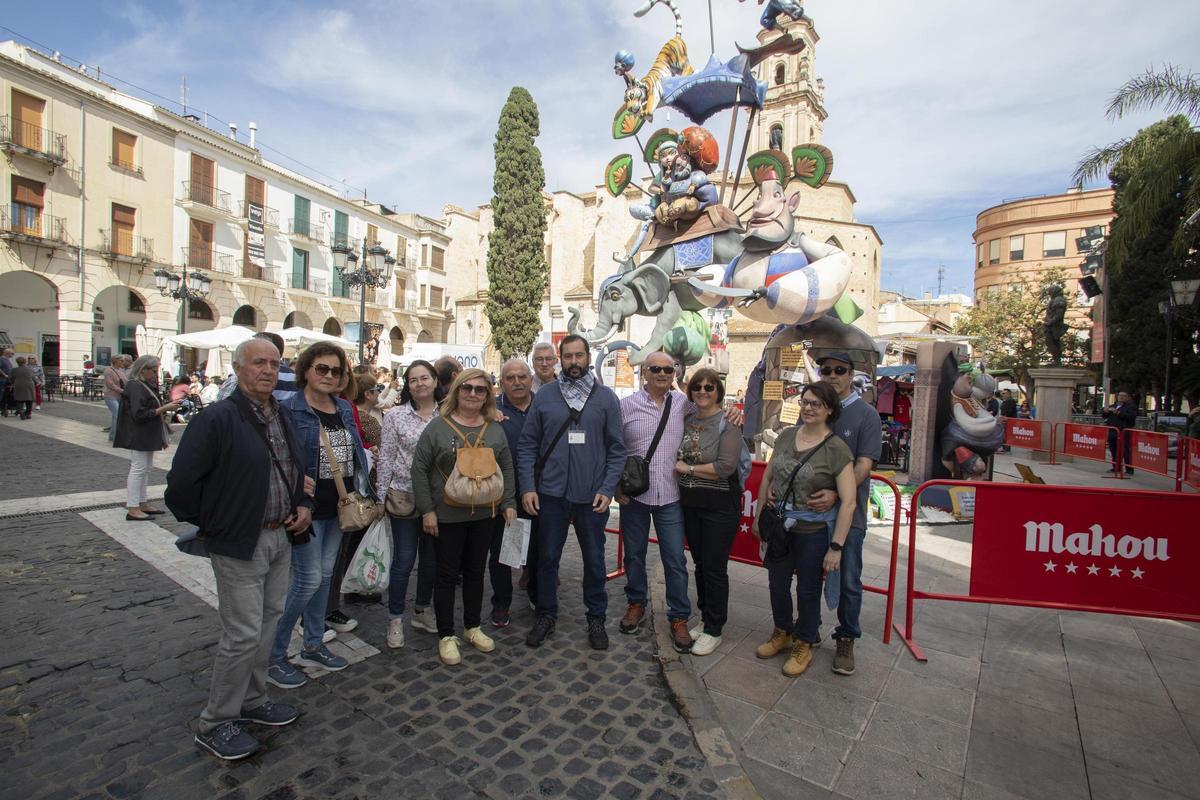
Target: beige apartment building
x=103, y=190
x=586, y=228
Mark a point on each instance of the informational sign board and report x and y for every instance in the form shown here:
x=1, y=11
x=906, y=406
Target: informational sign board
x=256, y=239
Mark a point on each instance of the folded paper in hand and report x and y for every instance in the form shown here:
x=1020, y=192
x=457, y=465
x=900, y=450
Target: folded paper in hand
x=515, y=545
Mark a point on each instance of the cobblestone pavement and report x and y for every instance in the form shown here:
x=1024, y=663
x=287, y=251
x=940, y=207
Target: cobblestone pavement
x=107, y=663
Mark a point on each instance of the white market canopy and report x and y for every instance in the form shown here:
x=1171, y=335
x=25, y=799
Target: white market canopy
x=217, y=338
x=303, y=337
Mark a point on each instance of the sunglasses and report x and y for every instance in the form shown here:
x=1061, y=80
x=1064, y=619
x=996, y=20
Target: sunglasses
x=376, y=388
x=660, y=370
x=827, y=371
x=325, y=369
x=472, y=388
x=707, y=387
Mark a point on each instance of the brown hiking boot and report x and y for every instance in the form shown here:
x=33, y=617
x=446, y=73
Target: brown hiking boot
x=780, y=640
x=843, y=660
x=799, y=660
x=680, y=638
x=633, y=618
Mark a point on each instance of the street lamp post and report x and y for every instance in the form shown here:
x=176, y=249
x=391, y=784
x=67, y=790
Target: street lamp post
x=372, y=269
x=183, y=287
x=1182, y=294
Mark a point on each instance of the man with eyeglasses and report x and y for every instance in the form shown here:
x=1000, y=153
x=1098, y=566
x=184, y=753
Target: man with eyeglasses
x=569, y=460
x=544, y=362
x=514, y=402
x=860, y=427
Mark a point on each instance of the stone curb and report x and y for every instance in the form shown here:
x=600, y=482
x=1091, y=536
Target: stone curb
x=690, y=696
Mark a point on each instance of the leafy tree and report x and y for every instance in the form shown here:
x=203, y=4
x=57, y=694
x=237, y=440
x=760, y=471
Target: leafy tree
x=1168, y=165
x=1008, y=327
x=516, y=264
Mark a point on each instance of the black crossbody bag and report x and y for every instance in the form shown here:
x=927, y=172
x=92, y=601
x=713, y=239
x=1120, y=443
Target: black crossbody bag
x=635, y=477
x=771, y=521
x=572, y=416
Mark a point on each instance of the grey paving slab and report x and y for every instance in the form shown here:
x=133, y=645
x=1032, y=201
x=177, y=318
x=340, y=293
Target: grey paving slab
x=963, y=617
x=1026, y=686
x=1108, y=783
x=1101, y=627
x=967, y=645
x=738, y=716
x=918, y=736
x=1098, y=653
x=1148, y=744
x=803, y=750
x=834, y=708
x=1005, y=716
x=1024, y=768
x=1163, y=644
x=874, y=772
x=1114, y=687
x=775, y=783
x=1167, y=627
x=759, y=684
x=928, y=695
x=948, y=668
x=872, y=667
x=981, y=791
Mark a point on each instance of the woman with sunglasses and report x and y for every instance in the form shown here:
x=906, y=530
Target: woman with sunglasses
x=462, y=536
x=402, y=429
x=710, y=494
x=813, y=540
x=320, y=417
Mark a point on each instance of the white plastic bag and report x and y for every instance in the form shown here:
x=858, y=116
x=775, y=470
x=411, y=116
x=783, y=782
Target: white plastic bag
x=370, y=568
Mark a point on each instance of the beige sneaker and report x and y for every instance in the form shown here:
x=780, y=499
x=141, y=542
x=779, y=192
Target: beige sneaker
x=780, y=640
x=448, y=651
x=799, y=660
x=395, y=633
x=705, y=644
x=422, y=620
x=479, y=640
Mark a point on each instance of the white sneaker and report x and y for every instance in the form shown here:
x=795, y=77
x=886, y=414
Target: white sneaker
x=395, y=633
x=328, y=636
x=704, y=644
x=448, y=651
x=479, y=640
x=695, y=631
x=422, y=620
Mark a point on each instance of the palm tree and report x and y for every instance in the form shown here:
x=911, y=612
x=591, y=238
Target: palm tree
x=1165, y=166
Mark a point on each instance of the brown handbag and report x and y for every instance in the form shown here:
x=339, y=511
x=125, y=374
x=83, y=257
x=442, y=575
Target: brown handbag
x=355, y=512
x=400, y=504
x=476, y=479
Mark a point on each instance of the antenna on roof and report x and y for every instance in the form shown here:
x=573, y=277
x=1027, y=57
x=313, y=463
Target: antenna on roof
x=183, y=98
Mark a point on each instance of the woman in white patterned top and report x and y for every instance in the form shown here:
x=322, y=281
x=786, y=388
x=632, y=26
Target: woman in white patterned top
x=402, y=427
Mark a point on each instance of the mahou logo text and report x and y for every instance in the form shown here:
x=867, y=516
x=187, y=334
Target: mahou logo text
x=1049, y=537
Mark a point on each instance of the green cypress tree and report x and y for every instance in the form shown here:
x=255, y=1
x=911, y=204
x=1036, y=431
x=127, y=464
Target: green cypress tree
x=516, y=264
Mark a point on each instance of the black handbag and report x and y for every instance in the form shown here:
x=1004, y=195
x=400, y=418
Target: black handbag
x=771, y=520
x=635, y=476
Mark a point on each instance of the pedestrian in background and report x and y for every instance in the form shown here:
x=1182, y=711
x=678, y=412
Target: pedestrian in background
x=402, y=429
x=7, y=365
x=710, y=494
x=114, y=387
x=544, y=362
x=448, y=369
x=237, y=477
x=39, y=381
x=461, y=534
x=23, y=388
x=1121, y=416
x=142, y=430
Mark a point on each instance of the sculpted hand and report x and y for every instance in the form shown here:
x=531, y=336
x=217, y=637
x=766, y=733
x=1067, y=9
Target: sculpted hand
x=822, y=500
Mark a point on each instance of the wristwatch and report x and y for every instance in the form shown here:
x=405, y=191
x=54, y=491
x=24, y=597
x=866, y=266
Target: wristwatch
x=835, y=547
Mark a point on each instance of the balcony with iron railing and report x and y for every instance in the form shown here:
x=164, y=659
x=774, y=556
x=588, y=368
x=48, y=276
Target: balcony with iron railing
x=23, y=224
x=125, y=166
x=118, y=243
x=207, y=258
x=30, y=140
x=353, y=242
x=270, y=215
x=248, y=269
x=307, y=230
x=206, y=200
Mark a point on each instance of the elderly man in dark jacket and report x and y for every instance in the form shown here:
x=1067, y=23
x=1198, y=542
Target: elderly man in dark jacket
x=236, y=477
x=23, y=391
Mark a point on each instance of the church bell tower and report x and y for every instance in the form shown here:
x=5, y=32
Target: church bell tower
x=794, y=110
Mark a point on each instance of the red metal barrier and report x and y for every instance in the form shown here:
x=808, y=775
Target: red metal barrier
x=1149, y=451
x=1030, y=434
x=1189, y=462
x=1088, y=442
x=745, y=548
x=1141, y=567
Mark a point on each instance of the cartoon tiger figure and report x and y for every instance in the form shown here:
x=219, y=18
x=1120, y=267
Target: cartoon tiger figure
x=642, y=96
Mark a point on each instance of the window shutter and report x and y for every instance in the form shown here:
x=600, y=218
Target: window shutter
x=256, y=191
x=28, y=193
x=372, y=235
x=341, y=227
x=124, y=145
x=299, y=269
x=27, y=116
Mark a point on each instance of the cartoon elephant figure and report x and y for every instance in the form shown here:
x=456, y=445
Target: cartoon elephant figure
x=647, y=291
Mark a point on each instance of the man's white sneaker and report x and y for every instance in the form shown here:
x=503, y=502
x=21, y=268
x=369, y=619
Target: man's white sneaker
x=328, y=636
x=704, y=644
x=395, y=633
x=422, y=620
x=479, y=640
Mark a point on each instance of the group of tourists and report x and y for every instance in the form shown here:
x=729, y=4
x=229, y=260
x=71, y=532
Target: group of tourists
x=22, y=380
x=281, y=487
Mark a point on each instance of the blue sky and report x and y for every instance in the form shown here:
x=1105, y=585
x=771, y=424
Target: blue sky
x=937, y=109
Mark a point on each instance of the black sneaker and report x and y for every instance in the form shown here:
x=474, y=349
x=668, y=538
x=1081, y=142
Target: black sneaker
x=228, y=742
x=340, y=622
x=597, y=636
x=542, y=627
x=273, y=714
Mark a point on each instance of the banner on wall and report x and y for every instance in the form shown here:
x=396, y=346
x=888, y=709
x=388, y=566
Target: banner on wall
x=1087, y=547
x=256, y=239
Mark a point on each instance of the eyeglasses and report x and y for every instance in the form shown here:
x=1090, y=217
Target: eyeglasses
x=325, y=369
x=376, y=388
x=827, y=371
x=474, y=388
x=660, y=370
x=813, y=404
x=707, y=387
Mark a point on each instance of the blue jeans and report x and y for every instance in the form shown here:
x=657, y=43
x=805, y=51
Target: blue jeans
x=668, y=525
x=407, y=542
x=308, y=590
x=114, y=406
x=805, y=561
x=850, y=602
x=556, y=513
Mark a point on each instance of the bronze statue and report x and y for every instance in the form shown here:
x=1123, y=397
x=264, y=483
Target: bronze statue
x=1055, y=324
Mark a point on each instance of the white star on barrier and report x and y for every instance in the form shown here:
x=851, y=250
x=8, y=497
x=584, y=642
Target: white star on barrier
x=1114, y=571
x=1049, y=565
x=1071, y=568
x=1138, y=572
x=1093, y=569
x=745, y=527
